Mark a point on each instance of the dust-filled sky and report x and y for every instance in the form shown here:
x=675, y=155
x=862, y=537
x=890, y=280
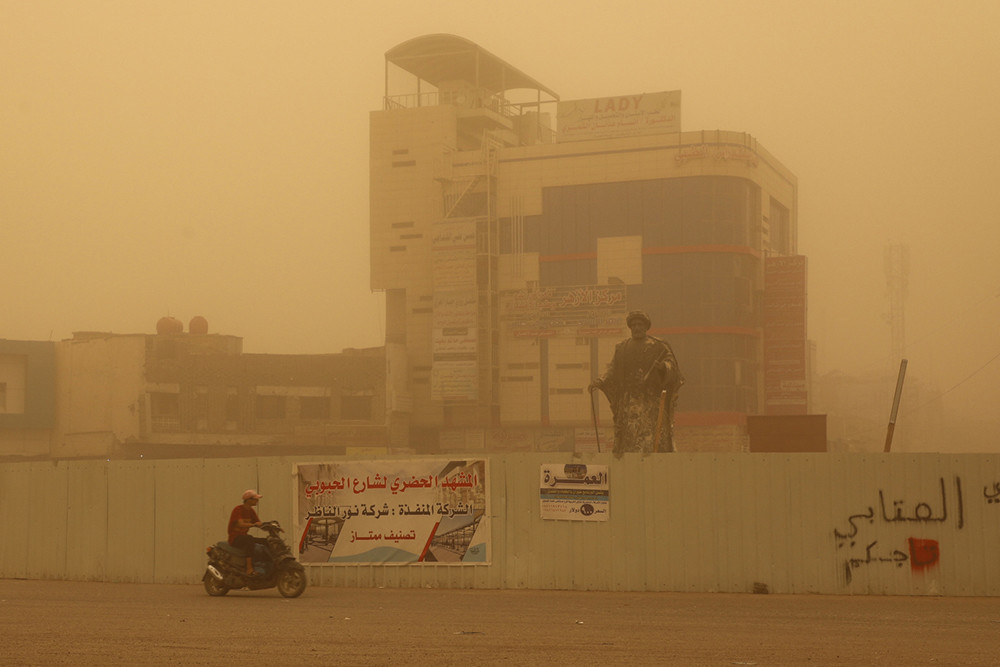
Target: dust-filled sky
x=211, y=157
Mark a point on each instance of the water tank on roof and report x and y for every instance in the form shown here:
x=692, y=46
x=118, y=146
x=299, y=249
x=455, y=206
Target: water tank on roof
x=169, y=325
x=198, y=325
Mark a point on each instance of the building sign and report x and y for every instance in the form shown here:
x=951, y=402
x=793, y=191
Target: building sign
x=529, y=439
x=454, y=345
x=593, y=439
x=625, y=116
x=454, y=381
x=453, y=253
x=785, y=350
x=421, y=511
x=574, y=491
x=454, y=328
x=586, y=312
x=454, y=333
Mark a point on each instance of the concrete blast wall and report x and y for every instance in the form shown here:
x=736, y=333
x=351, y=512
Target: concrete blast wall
x=896, y=524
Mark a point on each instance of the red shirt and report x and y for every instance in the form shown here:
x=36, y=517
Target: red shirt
x=240, y=512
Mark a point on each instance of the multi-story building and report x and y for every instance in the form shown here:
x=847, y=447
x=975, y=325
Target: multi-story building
x=512, y=231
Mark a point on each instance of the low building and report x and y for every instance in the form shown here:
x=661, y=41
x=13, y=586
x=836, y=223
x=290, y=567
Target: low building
x=176, y=395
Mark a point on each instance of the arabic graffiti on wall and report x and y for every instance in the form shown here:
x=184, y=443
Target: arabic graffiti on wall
x=393, y=512
x=922, y=553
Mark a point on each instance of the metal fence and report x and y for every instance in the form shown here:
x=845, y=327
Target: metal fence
x=896, y=524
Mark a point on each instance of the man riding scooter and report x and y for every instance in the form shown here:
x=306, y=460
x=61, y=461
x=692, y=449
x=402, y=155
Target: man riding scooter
x=241, y=520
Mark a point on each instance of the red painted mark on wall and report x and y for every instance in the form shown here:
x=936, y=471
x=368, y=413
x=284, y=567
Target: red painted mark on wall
x=923, y=553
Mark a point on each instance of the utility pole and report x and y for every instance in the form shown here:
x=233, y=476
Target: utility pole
x=897, y=276
x=895, y=405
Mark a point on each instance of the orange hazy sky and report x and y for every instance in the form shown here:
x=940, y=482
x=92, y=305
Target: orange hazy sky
x=211, y=157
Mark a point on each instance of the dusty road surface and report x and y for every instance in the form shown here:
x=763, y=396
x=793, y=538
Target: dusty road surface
x=56, y=623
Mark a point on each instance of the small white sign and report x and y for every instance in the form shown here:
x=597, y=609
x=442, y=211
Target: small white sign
x=574, y=492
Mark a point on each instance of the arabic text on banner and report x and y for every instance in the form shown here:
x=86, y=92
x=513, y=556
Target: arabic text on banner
x=421, y=511
x=574, y=491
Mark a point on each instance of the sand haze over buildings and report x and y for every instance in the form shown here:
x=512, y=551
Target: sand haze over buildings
x=211, y=158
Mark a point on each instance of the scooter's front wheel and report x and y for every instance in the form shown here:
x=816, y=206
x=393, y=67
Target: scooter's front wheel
x=213, y=586
x=292, y=581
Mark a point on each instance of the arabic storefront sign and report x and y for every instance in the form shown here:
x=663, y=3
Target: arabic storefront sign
x=590, y=439
x=454, y=343
x=420, y=511
x=453, y=254
x=454, y=332
x=625, y=116
x=785, y=349
x=454, y=381
x=576, y=311
x=574, y=491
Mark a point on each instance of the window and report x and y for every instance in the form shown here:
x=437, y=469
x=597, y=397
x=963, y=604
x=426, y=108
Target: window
x=165, y=411
x=232, y=409
x=164, y=404
x=781, y=228
x=314, y=407
x=270, y=407
x=356, y=408
x=201, y=408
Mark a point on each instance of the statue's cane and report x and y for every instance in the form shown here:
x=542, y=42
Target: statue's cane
x=659, y=420
x=593, y=415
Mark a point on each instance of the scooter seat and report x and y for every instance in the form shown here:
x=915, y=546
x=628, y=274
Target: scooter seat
x=229, y=548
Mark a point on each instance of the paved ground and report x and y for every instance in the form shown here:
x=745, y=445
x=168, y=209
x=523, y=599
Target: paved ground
x=53, y=622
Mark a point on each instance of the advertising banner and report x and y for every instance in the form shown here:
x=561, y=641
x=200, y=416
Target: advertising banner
x=574, y=491
x=420, y=511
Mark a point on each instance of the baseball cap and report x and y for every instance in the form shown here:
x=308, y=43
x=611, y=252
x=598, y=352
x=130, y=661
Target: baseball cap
x=250, y=493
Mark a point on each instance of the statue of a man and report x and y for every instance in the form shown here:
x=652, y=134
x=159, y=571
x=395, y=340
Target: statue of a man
x=642, y=369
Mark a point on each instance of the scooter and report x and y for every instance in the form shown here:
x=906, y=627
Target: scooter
x=274, y=565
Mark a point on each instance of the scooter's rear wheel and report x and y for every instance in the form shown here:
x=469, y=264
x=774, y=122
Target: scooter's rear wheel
x=213, y=586
x=292, y=581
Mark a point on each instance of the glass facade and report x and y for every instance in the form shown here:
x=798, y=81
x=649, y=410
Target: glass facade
x=701, y=269
x=695, y=210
